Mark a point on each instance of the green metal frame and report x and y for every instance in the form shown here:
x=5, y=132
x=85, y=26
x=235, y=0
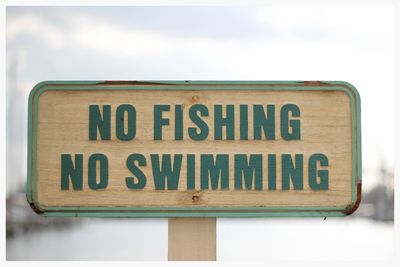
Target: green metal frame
x=31, y=188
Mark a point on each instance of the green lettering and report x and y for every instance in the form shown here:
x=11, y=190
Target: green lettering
x=250, y=170
x=322, y=174
x=178, y=122
x=293, y=124
x=267, y=124
x=244, y=122
x=200, y=123
x=292, y=172
x=213, y=171
x=159, y=121
x=68, y=170
x=136, y=171
x=166, y=171
x=130, y=111
x=92, y=172
x=190, y=171
x=272, y=172
x=96, y=121
x=228, y=122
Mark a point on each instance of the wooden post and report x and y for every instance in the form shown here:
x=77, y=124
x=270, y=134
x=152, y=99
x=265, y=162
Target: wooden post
x=192, y=239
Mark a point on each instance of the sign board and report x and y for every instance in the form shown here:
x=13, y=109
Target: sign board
x=175, y=149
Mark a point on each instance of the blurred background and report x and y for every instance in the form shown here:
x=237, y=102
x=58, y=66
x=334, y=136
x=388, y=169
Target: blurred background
x=353, y=44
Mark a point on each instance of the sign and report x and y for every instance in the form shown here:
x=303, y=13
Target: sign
x=168, y=149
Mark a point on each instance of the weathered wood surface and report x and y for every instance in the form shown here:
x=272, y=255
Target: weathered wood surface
x=63, y=128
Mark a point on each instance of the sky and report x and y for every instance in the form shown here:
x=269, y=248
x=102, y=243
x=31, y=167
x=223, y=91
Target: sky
x=353, y=44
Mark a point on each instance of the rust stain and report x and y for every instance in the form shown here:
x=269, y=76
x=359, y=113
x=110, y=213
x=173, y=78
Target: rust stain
x=352, y=208
x=195, y=99
x=132, y=83
x=36, y=209
x=314, y=83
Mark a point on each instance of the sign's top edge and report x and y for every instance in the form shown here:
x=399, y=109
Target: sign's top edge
x=193, y=82
x=161, y=83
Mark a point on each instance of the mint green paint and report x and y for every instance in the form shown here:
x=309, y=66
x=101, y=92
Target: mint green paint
x=194, y=209
x=292, y=171
x=166, y=171
x=248, y=170
x=130, y=112
x=198, y=215
x=323, y=175
x=102, y=161
x=159, y=121
x=345, y=87
x=100, y=122
x=290, y=129
x=201, y=131
x=214, y=171
x=71, y=170
x=263, y=121
x=136, y=171
x=227, y=121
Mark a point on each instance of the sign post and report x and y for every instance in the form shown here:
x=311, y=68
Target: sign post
x=194, y=151
x=192, y=239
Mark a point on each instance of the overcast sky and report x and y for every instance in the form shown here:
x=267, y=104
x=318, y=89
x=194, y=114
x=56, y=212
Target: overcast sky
x=204, y=43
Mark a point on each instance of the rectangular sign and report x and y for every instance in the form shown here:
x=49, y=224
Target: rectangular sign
x=216, y=148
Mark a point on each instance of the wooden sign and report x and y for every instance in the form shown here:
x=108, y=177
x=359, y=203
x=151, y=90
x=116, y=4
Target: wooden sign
x=194, y=149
